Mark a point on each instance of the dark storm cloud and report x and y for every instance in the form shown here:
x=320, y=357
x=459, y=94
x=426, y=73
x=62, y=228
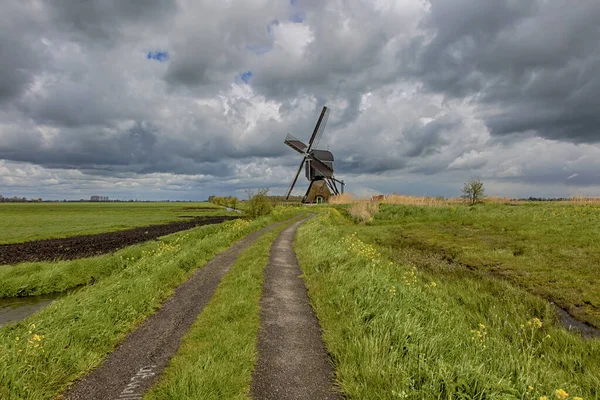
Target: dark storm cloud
x=94, y=148
x=103, y=20
x=21, y=53
x=531, y=65
x=420, y=141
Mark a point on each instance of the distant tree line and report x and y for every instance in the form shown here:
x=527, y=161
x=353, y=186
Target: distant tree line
x=16, y=199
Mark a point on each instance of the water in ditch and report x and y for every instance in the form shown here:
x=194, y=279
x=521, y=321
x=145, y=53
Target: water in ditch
x=572, y=325
x=18, y=308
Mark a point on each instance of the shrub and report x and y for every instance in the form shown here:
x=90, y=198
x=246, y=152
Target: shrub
x=231, y=202
x=258, y=203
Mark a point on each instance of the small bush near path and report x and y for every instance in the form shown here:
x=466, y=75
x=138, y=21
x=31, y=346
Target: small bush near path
x=258, y=203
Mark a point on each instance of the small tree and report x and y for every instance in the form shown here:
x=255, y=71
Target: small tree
x=473, y=191
x=258, y=203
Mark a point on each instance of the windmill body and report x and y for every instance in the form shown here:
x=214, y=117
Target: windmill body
x=318, y=165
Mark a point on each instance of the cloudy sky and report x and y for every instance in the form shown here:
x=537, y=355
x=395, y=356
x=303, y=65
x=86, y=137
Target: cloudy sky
x=181, y=99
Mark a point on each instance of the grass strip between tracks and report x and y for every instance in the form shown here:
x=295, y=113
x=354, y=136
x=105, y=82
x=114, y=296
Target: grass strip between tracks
x=217, y=356
x=63, y=341
x=398, y=332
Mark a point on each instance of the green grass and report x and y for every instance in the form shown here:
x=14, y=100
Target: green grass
x=217, y=356
x=549, y=249
x=45, y=277
x=23, y=222
x=75, y=333
x=393, y=334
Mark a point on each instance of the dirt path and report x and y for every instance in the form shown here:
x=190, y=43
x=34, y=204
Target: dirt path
x=292, y=361
x=93, y=245
x=132, y=368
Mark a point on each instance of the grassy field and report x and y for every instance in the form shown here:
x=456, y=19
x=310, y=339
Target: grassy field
x=63, y=341
x=422, y=302
x=411, y=327
x=23, y=222
x=550, y=249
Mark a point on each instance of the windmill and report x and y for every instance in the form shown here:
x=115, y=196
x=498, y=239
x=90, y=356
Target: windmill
x=318, y=165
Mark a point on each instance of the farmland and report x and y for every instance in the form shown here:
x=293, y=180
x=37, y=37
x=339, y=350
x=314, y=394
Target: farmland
x=444, y=301
x=22, y=222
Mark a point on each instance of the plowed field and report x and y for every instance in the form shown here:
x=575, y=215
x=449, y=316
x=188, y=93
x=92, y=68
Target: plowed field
x=92, y=245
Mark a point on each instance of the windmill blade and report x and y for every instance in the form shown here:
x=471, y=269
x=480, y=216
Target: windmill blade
x=295, y=144
x=321, y=128
x=320, y=166
x=331, y=187
x=335, y=188
x=316, y=130
x=295, y=178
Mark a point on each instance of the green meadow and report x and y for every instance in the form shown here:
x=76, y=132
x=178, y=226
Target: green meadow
x=549, y=249
x=404, y=323
x=22, y=222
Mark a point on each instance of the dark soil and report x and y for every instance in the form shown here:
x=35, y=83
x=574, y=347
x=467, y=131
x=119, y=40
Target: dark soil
x=130, y=370
x=93, y=245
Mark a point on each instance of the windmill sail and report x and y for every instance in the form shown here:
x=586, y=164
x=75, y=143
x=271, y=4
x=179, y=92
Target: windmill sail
x=295, y=144
x=295, y=178
x=321, y=127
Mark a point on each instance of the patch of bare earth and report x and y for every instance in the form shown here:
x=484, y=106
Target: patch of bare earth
x=92, y=245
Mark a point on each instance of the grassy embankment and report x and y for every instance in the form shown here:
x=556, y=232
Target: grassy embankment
x=22, y=222
x=63, y=341
x=399, y=331
x=549, y=249
x=218, y=354
x=46, y=277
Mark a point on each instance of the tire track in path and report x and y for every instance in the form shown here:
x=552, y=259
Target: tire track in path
x=292, y=361
x=131, y=369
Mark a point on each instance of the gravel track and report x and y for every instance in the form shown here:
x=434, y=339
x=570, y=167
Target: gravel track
x=292, y=360
x=131, y=369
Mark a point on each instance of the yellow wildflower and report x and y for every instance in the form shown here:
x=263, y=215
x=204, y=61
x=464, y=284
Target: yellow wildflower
x=32, y=326
x=36, y=337
x=544, y=398
x=561, y=394
x=577, y=398
x=530, y=388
